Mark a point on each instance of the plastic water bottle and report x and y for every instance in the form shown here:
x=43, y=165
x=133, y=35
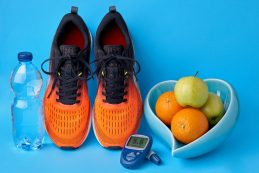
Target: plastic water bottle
x=27, y=117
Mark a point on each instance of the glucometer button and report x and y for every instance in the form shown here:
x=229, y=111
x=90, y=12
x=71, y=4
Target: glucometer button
x=130, y=156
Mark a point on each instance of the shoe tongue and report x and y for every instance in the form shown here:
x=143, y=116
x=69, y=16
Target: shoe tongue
x=113, y=49
x=114, y=71
x=69, y=50
x=67, y=72
x=113, y=68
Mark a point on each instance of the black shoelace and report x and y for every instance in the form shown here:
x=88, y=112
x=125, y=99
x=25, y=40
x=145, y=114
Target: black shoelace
x=68, y=83
x=115, y=83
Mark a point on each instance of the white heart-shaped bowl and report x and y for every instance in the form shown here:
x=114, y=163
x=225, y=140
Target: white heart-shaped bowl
x=210, y=140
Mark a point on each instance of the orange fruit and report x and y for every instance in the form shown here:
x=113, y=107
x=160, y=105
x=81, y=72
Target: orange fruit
x=166, y=107
x=189, y=124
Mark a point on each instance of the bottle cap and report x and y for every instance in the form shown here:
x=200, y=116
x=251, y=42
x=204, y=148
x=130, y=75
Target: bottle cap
x=25, y=56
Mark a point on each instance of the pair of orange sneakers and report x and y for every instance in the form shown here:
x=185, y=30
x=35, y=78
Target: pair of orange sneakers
x=117, y=109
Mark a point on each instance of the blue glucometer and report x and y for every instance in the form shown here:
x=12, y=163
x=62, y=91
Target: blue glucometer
x=136, y=150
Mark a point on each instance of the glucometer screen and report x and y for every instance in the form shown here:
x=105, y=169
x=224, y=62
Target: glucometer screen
x=138, y=142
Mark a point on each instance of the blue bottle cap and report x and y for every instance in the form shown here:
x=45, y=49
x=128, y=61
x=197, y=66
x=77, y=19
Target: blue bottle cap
x=25, y=56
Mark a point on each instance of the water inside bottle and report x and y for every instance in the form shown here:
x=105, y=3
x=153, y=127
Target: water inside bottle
x=27, y=116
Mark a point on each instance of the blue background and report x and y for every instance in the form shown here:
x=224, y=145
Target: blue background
x=172, y=38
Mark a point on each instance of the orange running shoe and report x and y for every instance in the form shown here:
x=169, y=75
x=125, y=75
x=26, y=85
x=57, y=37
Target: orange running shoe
x=118, y=104
x=66, y=102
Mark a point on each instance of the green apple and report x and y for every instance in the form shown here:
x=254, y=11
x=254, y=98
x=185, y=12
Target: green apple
x=191, y=91
x=213, y=109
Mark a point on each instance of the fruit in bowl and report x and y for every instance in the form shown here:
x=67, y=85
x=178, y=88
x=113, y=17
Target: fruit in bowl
x=167, y=107
x=191, y=91
x=190, y=109
x=213, y=109
x=189, y=124
x=212, y=138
